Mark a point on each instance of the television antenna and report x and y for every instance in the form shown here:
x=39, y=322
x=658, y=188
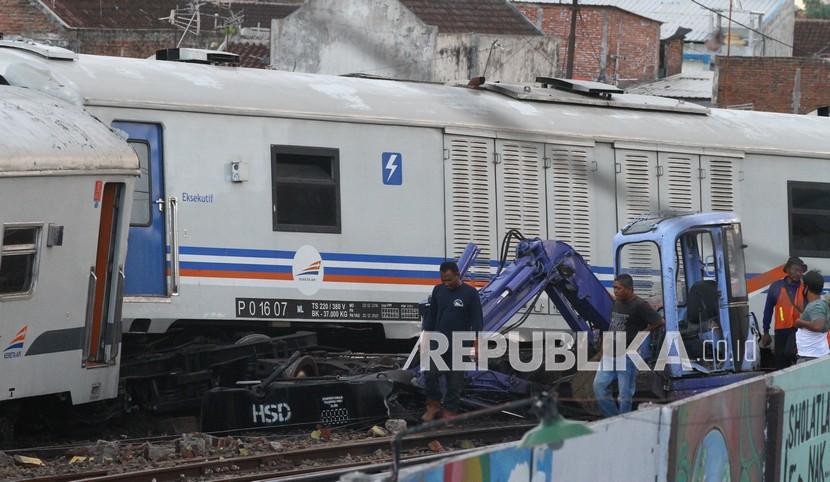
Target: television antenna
x=189, y=19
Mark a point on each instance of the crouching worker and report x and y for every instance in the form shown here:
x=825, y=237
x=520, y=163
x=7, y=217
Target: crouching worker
x=811, y=337
x=454, y=307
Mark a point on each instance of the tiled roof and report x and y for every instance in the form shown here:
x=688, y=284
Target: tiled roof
x=145, y=14
x=811, y=37
x=685, y=13
x=259, y=13
x=472, y=16
x=256, y=55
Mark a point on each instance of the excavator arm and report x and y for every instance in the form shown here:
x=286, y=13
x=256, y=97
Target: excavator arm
x=551, y=267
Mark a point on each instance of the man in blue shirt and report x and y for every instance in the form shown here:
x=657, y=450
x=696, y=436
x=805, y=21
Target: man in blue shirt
x=785, y=302
x=453, y=307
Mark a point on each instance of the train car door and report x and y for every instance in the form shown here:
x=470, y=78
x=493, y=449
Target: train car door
x=146, y=251
x=104, y=291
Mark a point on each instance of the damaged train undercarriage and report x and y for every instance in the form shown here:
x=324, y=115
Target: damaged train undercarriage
x=288, y=380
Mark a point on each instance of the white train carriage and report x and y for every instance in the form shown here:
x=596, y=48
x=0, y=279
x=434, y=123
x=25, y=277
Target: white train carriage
x=65, y=193
x=289, y=198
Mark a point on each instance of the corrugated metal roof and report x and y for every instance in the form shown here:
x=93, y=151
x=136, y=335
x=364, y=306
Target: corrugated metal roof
x=685, y=13
x=687, y=85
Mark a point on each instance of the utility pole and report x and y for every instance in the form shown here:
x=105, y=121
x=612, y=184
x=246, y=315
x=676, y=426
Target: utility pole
x=569, y=70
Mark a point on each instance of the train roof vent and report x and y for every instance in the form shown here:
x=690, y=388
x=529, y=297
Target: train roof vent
x=198, y=56
x=583, y=92
x=586, y=87
x=48, y=51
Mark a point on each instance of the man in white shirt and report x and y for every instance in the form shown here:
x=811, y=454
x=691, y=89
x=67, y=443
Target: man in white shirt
x=811, y=337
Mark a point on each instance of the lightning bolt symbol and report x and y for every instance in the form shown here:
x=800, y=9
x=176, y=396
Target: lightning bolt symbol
x=390, y=164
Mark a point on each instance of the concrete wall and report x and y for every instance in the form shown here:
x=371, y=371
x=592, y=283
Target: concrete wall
x=596, y=456
x=803, y=432
x=612, y=45
x=780, y=26
x=384, y=38
x=345, y=36
x=767, y=428
x=513, y=58
x=646, y=435
x=795, y=85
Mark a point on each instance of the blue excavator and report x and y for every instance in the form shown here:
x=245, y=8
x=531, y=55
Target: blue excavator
x=690, y=267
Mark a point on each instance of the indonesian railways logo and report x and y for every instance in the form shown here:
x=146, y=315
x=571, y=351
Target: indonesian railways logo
x=15, y=348
x=307, y=270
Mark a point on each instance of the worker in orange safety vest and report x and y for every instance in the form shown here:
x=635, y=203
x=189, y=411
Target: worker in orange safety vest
x=785, y=302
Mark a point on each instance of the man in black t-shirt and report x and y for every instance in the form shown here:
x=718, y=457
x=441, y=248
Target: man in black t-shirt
x=454, y=307
x=632, y=315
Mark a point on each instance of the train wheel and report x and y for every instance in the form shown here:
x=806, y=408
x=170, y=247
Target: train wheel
x=303, y=367
x=252, y=338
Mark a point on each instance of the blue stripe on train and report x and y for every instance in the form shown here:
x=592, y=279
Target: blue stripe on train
x=261, y=268
x=349, y=257
x=273, y=254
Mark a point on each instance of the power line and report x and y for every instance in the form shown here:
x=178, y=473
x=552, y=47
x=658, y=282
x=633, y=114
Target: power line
x=719, y=14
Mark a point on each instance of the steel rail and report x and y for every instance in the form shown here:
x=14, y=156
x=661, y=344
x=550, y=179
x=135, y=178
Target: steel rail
x=287, y=464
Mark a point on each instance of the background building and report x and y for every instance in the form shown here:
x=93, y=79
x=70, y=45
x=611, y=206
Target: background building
x=709, y=34
x=137, y=28
x=428, y=40
x=612, y=45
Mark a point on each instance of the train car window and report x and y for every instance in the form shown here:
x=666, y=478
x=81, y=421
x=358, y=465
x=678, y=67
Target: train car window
x=306, y=189
x=18, y=259
x=142, y=215
x=809, y=213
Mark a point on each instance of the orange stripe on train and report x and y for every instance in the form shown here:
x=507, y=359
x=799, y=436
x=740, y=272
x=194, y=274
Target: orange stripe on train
x=764, y=279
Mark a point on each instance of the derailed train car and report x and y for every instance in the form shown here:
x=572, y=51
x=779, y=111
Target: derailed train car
x=287, y=200
x=66, y=184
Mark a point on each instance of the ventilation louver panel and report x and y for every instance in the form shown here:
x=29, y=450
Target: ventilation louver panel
x=679, y=182
x=521, y=193
x=719, y=185
x=572, y=192
x=470, y=200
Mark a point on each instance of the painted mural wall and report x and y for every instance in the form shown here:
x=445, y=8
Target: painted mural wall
x=804, y=417
x=615, y=439
x=720, y=436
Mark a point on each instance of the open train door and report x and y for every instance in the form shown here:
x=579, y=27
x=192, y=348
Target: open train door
x=103, y=328
x=146, y=253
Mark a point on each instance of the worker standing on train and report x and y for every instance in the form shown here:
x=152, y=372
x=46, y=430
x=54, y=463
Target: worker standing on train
x=454, y=307
x=785, y=302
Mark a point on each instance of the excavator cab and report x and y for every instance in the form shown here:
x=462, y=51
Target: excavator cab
x=690, y=267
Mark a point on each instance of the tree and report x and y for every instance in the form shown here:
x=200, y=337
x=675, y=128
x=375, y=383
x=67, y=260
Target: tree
x=816, y=9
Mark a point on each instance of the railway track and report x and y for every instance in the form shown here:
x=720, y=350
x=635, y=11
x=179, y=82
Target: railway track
x=326, y=462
